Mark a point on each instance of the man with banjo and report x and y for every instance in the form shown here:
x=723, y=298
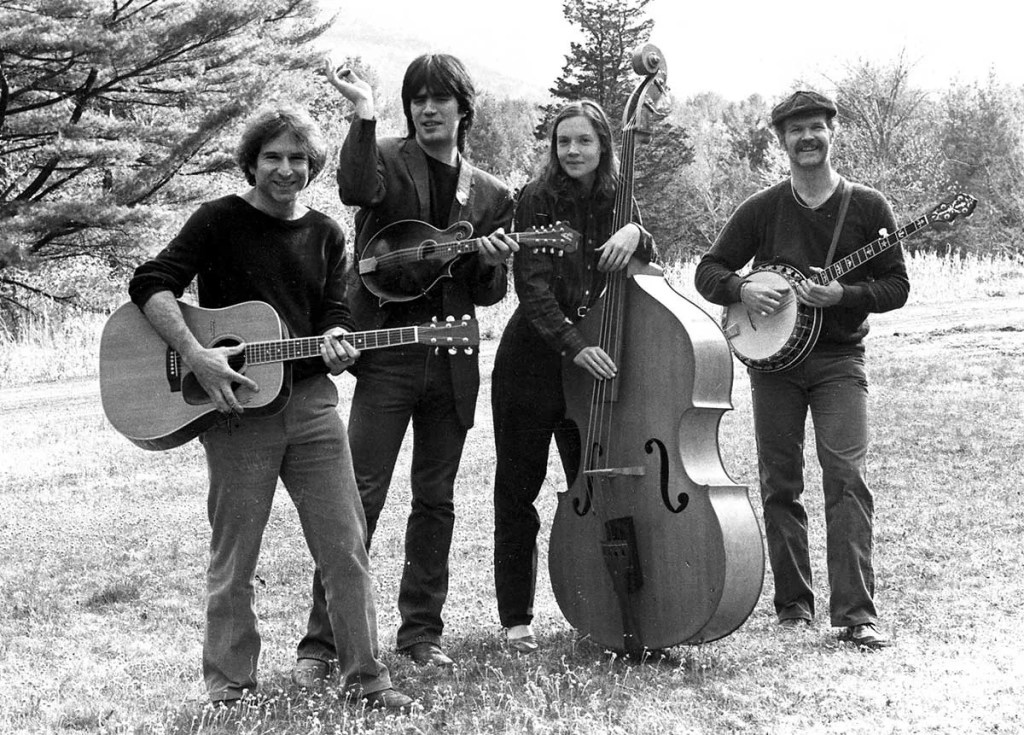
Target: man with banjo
x=789, y=232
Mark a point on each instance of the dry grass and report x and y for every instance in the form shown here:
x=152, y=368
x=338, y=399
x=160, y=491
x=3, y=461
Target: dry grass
x=103, y=549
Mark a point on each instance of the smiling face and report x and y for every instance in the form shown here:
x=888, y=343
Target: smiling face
x=578, y=149
x=436, y=117
x=807, y=140
x=281, y=172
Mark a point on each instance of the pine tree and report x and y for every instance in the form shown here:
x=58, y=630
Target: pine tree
x=600, y=66
x=112, y=112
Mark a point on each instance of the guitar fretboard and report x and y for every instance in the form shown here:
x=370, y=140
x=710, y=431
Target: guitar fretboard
x=869, y=251
x=257, y=353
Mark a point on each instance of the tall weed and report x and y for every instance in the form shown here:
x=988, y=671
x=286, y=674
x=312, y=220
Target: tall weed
x=60, y=344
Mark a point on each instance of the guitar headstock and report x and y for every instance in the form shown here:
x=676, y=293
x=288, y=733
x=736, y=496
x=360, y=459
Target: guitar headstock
x=452, y=334
x=555, y=239
x=960, y=205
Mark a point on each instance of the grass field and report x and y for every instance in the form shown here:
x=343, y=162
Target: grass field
x=103, y=553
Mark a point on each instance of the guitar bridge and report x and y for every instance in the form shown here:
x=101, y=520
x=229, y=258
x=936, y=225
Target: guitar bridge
x=172, y=364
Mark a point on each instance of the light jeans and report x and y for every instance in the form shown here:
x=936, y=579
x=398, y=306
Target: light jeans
x=307, y=447
x=832, y=384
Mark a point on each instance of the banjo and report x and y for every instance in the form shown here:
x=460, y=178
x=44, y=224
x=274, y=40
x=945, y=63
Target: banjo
x=782, y=339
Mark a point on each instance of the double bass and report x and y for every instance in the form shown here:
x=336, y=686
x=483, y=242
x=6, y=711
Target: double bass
x=653, y=544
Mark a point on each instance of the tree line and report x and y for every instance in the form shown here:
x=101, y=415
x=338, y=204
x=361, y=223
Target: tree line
x=116, y=118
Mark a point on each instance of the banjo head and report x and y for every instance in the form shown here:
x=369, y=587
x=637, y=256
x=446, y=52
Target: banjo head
x=754, y=337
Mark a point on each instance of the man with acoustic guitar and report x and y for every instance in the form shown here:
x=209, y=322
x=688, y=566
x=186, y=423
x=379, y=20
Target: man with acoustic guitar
x=422, y=176
x=807, y=221
x=265, y=245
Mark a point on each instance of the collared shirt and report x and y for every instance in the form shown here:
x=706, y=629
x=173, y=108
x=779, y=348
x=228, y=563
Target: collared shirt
x=555, y=290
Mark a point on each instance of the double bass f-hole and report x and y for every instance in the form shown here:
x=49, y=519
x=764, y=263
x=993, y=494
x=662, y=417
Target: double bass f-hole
x=683, y=499
x=582, y=506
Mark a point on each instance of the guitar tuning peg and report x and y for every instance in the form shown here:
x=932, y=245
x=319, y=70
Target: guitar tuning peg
x=433, y=319
x=469, y=350
x=449, y=319
x=452, y=351
x=466, y=317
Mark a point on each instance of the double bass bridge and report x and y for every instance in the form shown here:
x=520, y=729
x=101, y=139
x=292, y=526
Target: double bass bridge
x=610, y=472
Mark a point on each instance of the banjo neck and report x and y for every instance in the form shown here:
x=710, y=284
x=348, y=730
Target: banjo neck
x=869, y=251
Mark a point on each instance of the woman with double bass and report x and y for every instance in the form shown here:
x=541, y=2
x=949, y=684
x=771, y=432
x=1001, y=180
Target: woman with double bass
x=577, y=187
x=653, y=544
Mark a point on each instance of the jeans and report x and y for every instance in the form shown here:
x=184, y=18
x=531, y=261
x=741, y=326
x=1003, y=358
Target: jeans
x=528, y=406
x=307, y=447
x=832, y=383
x=394, y=387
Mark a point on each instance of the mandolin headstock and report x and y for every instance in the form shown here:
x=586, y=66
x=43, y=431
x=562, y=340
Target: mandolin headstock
x=553, y=239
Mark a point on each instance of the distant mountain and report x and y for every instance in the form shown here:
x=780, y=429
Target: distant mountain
x=389, y=50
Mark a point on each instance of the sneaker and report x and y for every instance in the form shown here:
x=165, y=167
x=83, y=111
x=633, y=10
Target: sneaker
x=310, y=673
x=865, y=636
x=520, y=639
x=390, y=700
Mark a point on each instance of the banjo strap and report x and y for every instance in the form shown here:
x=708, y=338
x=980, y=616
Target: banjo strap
x=843, y=206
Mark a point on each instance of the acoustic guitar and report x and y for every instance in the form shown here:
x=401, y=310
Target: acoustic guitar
x=406, y=259
x=783, y=339
x=150, y=397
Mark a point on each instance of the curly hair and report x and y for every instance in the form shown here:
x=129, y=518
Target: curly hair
x=268, y=124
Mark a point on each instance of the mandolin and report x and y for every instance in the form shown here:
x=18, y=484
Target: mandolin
x=149, y=395
x=406, y=259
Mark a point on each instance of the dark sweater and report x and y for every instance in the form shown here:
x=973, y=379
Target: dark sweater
x=772, y=227
x=238, y=253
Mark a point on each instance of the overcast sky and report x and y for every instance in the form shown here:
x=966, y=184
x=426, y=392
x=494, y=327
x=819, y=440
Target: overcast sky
x=733, y=47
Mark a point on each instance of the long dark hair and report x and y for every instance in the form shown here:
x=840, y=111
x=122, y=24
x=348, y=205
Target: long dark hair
x=440, y=74
x=554, y=178
x=272, y=122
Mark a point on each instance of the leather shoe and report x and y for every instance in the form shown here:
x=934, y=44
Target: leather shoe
x=866, y=636
x=310, y=673
x=426, y=653
x=391, y=700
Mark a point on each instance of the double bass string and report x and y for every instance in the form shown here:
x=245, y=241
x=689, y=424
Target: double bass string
x=601, y=420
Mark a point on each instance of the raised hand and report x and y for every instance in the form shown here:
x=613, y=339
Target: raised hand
x=355, y=90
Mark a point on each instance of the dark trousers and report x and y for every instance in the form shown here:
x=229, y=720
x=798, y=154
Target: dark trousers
x=394, y=387
x=528, y=408
x=832, y=383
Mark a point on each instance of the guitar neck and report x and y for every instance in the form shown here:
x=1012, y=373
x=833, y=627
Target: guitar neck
x=260, y=353
x=869, y=251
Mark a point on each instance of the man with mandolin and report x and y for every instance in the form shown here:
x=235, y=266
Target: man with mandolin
x=266, y=246
x=422, y=177
x=791, y=232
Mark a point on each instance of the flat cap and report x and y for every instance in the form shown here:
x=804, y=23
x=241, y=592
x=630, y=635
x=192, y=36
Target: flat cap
x=803, y=102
